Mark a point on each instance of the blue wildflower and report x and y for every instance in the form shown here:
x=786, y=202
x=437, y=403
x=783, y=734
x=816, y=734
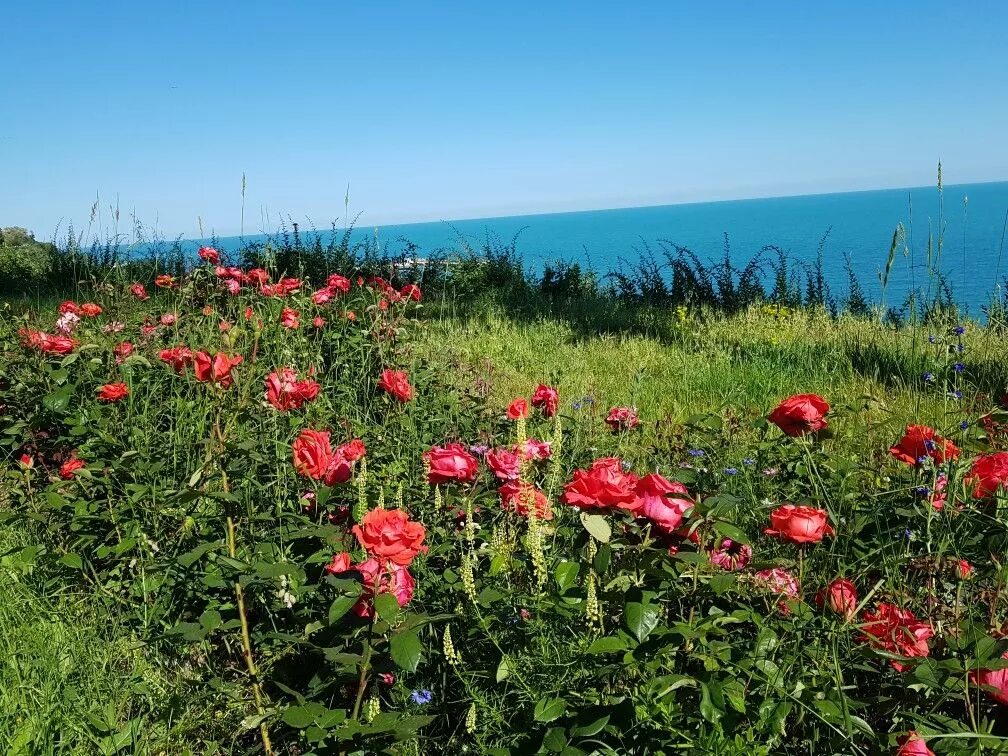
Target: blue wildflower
x=959, y=331
x=422, y=697
x=958, y=367
x=749, y=461
x=696, y=452
x=577, y=405
x=731, y=471
x=929, y=444
x=932, y=339
x=964, y=425
x=928, y=377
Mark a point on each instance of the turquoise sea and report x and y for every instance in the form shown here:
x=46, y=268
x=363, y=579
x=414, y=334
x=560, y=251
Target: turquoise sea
x=860, y=224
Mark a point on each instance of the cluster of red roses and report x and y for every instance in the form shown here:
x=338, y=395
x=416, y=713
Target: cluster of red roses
x=391, y=540
x=315, y=458
x=285, y=392
x=46, y=342
x=215, y=369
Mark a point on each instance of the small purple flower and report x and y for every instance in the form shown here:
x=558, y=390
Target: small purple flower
x=960, y=348
x=964, y=425
x=928, y=377
x=577, y=405
x=958, y=367
x=422, y=697
x=748, y=461
x=955, y=394
x=696, y=452
x=932, y=339
x=923, y=460
x=929, y=444
x=731, y=471
x=922, y=491
x=479, y=449
x=959, y=331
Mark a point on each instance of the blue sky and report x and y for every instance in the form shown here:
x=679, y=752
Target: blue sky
x=437, y=111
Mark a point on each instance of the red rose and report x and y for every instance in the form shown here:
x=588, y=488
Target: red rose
x=138, y=291
x=840, y=596
x=390, y=534
x=450, y=463
x=112, y=392
x=90, y=310
x=321, y=297
x=216, y=369
x=604, y=485
x=994, y=682
x=547, y=398
x=662, y=501
x=285, y=392
x=622, y=419
x=290, y=318
x=411, y=291
x=988, y=474
x=535, y=450
x=353, y=450
x=897, y=631
x=799, y=524
x=378, y=577
x=179, y=357
x=396, y=383
x=800, y=414
x=340, y=563
x=209, y=254
x=920, y=442
x=337, y=284
x=122, y=351
x=913, y=744
x=69, y=307
x=318, y=321
x=68, y=468
x=312, y=453
x=257, y=277
x=518, y=409
x=164, y=281
x=506, y=464
x=517, y=496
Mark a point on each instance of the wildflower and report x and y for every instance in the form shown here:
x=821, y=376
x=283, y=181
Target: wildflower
x=290, y=318
x=138, y=291
x=958, y=367
x=165, y=281
x=422, y=697
x=932, y=339
x=921, y=442
x=90, y=310
x=897, y=631
x=928, y=377
x=622, y=419
x=988, y=474
x=959, y=331
x=696, y=452
x=209, y=254
x=964, y=425
x=748, y=461
x=731, y=471
x=387, y=678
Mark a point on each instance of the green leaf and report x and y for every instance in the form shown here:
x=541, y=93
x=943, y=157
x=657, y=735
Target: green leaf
x=340, y=606
x=405, y=648
x=548, y=709
x=59, y=400
x=387, y=606
x=590, y=728
x=732, y=531
x=555, y=739
x=300, y=717
x=597, y=526
x=641, y=619
x=608, y=645
x=503, y=669
x=566, y=573
x=73, y=561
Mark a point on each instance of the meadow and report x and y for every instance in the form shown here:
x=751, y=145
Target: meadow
x=452, y=508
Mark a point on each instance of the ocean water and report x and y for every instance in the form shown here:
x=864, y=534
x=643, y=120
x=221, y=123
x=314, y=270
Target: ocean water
x=860, y=224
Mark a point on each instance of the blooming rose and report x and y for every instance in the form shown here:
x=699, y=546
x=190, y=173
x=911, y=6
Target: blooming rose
x=164, y=281
x=506, y=464
x=69, y=307
x=139, y=291
x=536, y=450
x=622, y=419
x=112, y=392
x=840, y=596
x=209, y=254
x=799, y=524
x=382, y=577
x=67, y=323
x=780, y=581
x=216, y=369
x=603, y=485
x=122, y=351
x=257, y=276
x=913, y=744
x=312, y=453
x=168, y=318
x=662, y=501
x=411, y=291
x=517, y=409
x=290, y=318
x=547, y=398
x=285, y=392
x=68, y=468
x=321, y=297
x=339, y=563
x=730, y=555
x=800, y=414
x=179, y=357
x=921, y=442
x=988, y=474
x=318, y=322
x=897, y=631
x=90, y=310
x=994, y=682
x=517, y=496
x=337, y=284
x=449, y=463
x=390, y=534
x=396, y=383
x=353, y=450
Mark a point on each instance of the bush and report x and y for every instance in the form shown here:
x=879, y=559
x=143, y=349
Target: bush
x=22, y=259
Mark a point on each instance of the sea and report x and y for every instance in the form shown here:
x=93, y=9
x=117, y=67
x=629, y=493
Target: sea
x=969, y=220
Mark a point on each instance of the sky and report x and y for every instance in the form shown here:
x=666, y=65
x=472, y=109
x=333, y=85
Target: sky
x=460, y=110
